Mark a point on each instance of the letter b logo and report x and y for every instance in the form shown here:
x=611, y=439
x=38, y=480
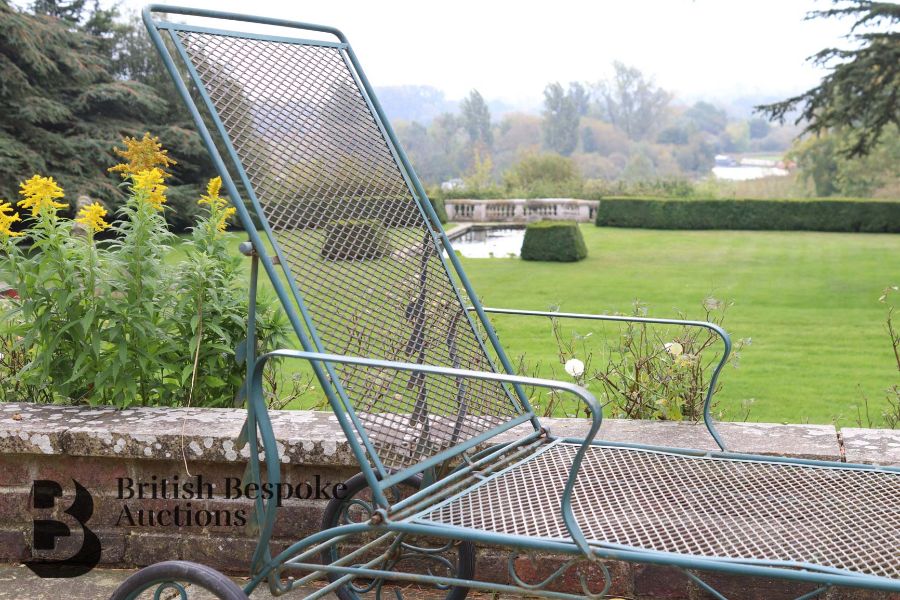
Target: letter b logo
x=44, y=494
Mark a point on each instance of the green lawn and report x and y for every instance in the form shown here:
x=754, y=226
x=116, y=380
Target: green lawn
x=807, y=300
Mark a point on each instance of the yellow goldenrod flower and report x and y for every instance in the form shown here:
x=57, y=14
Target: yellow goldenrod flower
x=217, y=205
x=39, y=193
x=91, y=216
x=142, y=155
x=222, y=223
x=7, y=217
x=149, y=184
x=212, y=194
x=212, y=191
x=157, y=197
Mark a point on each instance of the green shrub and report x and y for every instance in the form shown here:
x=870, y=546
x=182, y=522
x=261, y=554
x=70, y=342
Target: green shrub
x=559, y=241
x=851, y=215
x=571, y=189
x=439, y=208
x=355, y=240
x=642, y=371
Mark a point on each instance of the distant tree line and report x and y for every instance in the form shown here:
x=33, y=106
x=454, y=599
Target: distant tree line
x=75, y=78
x=845, y=134
x=624, y=128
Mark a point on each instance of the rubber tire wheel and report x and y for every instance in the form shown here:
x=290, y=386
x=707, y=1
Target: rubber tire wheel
x=465, y=566
x=181, y=571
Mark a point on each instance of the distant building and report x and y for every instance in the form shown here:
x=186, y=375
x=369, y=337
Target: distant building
x=452, y=184
x=723, y=160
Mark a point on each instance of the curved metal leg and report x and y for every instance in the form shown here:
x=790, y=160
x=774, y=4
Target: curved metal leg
x=178, y=576
x=306, y=549
x=414, y=553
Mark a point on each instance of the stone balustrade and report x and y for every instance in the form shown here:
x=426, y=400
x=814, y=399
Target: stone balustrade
x=521, y=211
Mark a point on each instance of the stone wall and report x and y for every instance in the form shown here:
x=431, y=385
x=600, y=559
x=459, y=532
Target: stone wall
x=105, y=450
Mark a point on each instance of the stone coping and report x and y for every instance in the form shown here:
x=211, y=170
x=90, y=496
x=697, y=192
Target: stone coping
x=878, y=446
x=315, y=438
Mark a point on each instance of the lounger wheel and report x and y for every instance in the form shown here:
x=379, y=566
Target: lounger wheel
x=177, y=576
x=355, y=506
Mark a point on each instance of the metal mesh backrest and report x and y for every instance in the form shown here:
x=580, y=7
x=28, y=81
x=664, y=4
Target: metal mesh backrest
x=357, y=245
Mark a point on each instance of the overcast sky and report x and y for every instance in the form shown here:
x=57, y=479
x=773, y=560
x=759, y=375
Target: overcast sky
x=511, y=50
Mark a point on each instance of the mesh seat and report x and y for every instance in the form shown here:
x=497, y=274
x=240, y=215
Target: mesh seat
x=847, y=519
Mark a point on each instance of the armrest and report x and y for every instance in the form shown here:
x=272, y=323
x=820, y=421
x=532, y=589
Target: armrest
x=726, y=339
x=420, y=368
x=584, y=395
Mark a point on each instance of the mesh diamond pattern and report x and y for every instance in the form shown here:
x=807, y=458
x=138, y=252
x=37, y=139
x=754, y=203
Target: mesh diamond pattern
x=357, y=246
x=840, y=518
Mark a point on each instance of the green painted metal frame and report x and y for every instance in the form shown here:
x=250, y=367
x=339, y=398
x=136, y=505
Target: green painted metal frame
x=258, y=427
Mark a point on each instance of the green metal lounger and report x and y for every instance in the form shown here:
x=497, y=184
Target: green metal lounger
x=390, y=326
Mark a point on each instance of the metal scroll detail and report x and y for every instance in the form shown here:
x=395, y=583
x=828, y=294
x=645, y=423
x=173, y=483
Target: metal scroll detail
x=558, y=573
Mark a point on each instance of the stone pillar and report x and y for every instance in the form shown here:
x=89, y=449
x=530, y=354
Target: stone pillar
x=479, y=214
x=519, y=211
x=584, y=212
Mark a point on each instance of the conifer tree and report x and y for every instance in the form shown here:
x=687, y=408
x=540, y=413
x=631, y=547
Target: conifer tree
x=62, y=110
x=862, y=91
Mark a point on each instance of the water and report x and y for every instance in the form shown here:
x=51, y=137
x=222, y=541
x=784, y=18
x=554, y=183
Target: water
x=490, y=243
x=745, y=173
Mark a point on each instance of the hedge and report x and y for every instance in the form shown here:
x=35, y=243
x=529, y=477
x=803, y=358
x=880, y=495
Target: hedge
x=559, y=241
x=355, y=240
x=869, y=216
x=440, y=209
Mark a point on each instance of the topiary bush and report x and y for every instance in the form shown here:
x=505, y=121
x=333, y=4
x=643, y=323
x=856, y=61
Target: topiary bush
x=559, y=241
x=355, y=239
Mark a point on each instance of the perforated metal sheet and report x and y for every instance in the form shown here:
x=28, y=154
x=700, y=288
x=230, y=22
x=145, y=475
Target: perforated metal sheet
x=840, y=518
x=374, y=287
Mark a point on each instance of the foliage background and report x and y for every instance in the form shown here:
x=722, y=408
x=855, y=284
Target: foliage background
x=73, y=82
x=75, y=78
